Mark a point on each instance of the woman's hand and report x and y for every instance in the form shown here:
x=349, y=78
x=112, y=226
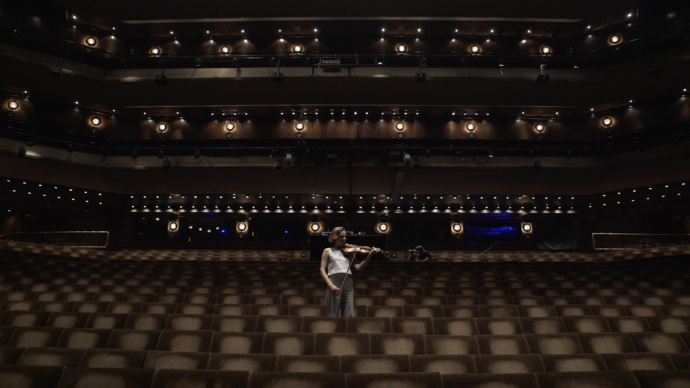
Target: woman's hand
x=335, y=290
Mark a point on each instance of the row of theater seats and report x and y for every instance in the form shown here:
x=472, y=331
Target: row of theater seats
x=182, y=325
x=320, y=324
x=299, y=343
x=49, y=377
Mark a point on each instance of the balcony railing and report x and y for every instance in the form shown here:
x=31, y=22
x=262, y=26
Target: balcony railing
x=633, y=241
x=82, y=239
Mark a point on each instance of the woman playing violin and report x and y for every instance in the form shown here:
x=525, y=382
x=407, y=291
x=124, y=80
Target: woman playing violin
x=335, y=270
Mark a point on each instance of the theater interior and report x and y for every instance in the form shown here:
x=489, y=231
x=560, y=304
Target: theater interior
x=170, y=173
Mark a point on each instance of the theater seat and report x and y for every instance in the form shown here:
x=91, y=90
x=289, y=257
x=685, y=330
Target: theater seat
x=10, y=356
x=280, y=324
x=565, y=343
x=499, y=326
x=20, y=376
x=340, y=344
x=663, y=379
x=112, y=358
x=375, y=364
x=603, y=343
x=309, y=364
x=650, y=361
x=509, y=364
x=51, y=357
x=176, y=360
x=455, y=326
x=26, y=337
x=443, y=364
x=574, y=363
x=185, y=340
x=368, y=325
x=447, y=345
x=608, y=379
x=106, y=377
x=485, y=380
x=391, y=344
x=292, y=344
x=546, y=325
x=243, y=362
x=659, y=343
x=629, y=324
x=167, y=378
x=106, y=321
x=323, y=325
x=133, y=339
x=302, y=380
x=237, y=343
x=502, y=344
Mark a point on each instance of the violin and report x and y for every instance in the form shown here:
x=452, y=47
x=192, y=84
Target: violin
x=351, y=248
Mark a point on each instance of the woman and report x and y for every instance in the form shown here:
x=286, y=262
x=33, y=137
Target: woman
x=335, y=267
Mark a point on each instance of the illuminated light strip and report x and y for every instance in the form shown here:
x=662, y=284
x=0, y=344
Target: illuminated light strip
x=298, y=19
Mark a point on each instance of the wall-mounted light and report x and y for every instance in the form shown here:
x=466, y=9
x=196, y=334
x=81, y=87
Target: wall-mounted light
x=401, y=48
x=299, y=126
x=399, y=126
x=13, y=105
x=474, y=49
x=297, y=48
x=607, y=121
x=457, y=227
x=539, y=127
x=615, y=39
x=383, y=227
x=91, y=41
x=242, y=226
x=546, y=50
x=96, y=121
x=315, y=227
x=527, y=228
x=162, y=127
x=230, y=126
x=225, y=49
x=173, y=227
x=471, y=127
x=155, y=51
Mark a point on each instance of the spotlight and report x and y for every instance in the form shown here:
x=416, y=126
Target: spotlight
x=607, y=121
x=242, y=226
x=225, y=49
x=399, y=126
x=299, y=126
x=457, y=227
x=96, y=121
x=539, y=127
x=527, y=227
x=161, y=79
x=297, y=49
x=91, y=41
x=475, y=49
x=470, y=127
x=173, y=226
x=155, y=51
x=546, y=50
x=315, y=227
x=383, y=227
x=162, y=127
x=13, y=105
x=401, y=48
x=615, y=39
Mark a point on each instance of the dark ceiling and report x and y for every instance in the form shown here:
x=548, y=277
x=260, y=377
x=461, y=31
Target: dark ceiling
x=135, y=10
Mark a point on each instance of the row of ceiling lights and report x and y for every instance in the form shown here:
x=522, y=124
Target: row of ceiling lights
x=303, y=208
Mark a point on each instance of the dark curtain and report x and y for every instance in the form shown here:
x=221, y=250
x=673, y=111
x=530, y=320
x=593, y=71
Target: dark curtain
x=553, y=235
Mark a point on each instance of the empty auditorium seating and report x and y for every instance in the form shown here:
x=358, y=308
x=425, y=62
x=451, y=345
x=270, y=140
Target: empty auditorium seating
x=253, y=324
